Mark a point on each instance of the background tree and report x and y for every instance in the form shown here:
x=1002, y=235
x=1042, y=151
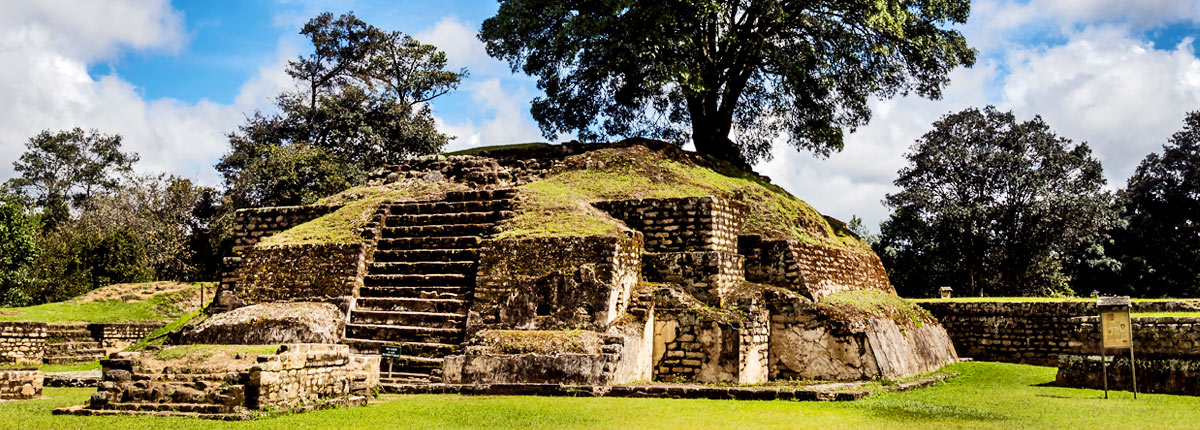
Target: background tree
x=732, y=75
x=1160, y=247
x=992, y=206
x=63, y=170
x=360, y=103
x=18, y=249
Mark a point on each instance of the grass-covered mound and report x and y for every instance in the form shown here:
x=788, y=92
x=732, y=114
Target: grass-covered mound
x=559, y=205
x=153, y=301
x=358, y=204
x=855, y=307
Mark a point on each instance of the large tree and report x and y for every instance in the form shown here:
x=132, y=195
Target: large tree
x=18, y=249
x=63, y=170
x=732, y=75
x=992, y=206
x=361, y=102
x=1160, y=247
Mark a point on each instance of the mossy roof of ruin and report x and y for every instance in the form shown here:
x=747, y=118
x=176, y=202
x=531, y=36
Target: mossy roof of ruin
x=485, y=149
x=559, y=204
x=855, y=307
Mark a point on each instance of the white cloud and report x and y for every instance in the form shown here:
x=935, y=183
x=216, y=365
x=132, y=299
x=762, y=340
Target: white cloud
x=457, y=39
x=46, y=48
x=506, y=124
x=1115, y=92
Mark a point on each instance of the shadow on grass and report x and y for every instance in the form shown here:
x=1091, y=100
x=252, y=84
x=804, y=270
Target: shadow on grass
x=921, y=411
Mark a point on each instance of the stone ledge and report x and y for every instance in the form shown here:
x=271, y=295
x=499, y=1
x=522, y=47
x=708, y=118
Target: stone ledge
x=824, y=392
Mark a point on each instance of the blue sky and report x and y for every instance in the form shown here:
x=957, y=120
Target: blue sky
x=174, y=76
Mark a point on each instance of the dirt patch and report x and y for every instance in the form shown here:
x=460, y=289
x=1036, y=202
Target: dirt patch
x=133, y=292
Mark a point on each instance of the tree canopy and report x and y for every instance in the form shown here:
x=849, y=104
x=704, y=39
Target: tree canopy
x=63, y=170
x=731, y=75
x=360, y=102
x=1160, y=246
x=989, y=205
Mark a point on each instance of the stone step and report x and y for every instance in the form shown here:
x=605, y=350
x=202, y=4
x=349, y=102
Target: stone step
x=402, y=377
x=414, y=280
x=416, y=319
x=447, y=207
x=413, y=364
x=200, y=408
x=72, y=346
x=428, y=243
x=404, y=333
x=446, y=218
x=426, y=292
x=439, y=230
x=500, y=194
x=75, y=357
x=423, y=267
x=452, y=254
x=410, y=304
x=422, y=349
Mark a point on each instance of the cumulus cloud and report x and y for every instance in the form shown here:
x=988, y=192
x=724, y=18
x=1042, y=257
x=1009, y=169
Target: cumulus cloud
x=507, y=117
x=48, y=46
x=457, y=39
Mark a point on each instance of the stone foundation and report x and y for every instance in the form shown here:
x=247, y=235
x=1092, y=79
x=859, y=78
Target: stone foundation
x=1154, y=375
x=21, y=384
x=812, y=271
x=296, y=377
x=709, y=276
x=694, y=343
x=313, y=273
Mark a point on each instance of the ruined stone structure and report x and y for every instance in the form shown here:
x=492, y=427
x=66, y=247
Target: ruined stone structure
x=682, y=292
x=297, y=377
x=58, y=343
x=21, y=384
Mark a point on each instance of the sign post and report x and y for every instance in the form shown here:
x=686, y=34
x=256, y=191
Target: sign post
x=1116, y=332
x=390, y=352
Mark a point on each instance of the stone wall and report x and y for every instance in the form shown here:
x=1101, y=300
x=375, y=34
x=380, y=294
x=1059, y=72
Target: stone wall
x=296, y=376
x=710, y=277
x=21, y=384
x=681, y=225
x=814, y=271
x=309, y=272
x=1154, y=374
x=22, y=342
x=301, y=374
x=695, y=343
x=555, y=283
x=251, y=225
x=1024, y=332
x=805, y=344
x=117, y=336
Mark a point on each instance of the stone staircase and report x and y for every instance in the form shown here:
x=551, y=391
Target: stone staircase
x=71, y=343
x=418, y=290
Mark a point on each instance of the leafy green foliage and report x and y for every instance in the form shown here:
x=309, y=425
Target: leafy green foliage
x=63, y=170
x=1160, y=245
x=992, y=206
x=18, y=249
x=362, y=103
x=714, y=70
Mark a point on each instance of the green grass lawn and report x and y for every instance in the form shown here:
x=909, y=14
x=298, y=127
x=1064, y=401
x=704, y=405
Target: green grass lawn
x=163, y=306
x=985, y=396
x=1033, y=299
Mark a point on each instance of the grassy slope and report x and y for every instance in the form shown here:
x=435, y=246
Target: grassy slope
x=986, y=396
x=555, y=206
x=358, y=204
x=160, y=307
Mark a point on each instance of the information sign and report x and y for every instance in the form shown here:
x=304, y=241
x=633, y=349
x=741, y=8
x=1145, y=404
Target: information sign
x=1115, y=326
x=390, y=351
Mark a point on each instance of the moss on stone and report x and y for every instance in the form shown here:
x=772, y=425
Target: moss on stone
x=201, y=352
x=477, y=150
x=357, y=206
x=555, y=205
x=539, y=341
x=855, y=307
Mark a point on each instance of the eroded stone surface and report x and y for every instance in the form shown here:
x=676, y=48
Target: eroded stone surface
x=270, y=323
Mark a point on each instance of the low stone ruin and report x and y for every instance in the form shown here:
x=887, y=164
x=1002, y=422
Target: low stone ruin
x=21, y=384
x=223, y=384
x=683, y=293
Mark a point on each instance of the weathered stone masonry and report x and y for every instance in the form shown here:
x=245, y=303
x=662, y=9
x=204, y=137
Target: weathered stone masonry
x=813, y=271
x=38, y=342
x=1024, y=332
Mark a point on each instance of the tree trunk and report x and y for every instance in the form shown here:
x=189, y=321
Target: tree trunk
x=710, y=133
